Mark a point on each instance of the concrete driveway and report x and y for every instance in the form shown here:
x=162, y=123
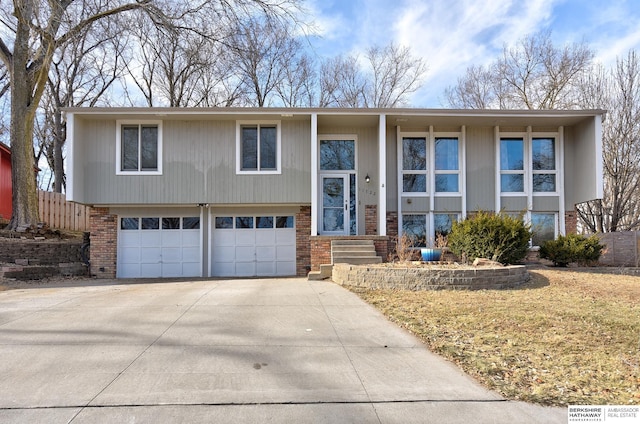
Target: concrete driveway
x=226, y=351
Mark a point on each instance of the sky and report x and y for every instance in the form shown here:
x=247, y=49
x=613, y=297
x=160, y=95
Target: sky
x=451, y=35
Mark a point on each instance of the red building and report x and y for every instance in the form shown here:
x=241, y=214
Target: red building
x=5, y=182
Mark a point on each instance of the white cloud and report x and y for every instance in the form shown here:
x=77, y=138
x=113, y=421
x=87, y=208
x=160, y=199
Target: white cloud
x=453, y=35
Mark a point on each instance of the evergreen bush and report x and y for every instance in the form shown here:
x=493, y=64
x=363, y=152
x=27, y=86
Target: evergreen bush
x=572, y=248
x=498, y=237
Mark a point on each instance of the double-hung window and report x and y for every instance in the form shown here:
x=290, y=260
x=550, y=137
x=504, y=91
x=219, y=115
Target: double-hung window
x=258, y=148
x=139, y=147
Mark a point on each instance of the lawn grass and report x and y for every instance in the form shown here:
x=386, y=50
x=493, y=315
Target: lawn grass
x=566, y=337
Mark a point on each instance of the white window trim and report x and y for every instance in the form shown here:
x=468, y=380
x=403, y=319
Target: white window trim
x=119, y=124
x=459, y=173
x=429, y=223
x=431, y=172
x=526, y=151
x=259, y=123
x=528, y=170
x=429, y=164
x=556, y=224
x=556, y=171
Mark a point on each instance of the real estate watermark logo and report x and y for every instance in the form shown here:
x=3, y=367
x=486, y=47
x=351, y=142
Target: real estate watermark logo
x=613, y=414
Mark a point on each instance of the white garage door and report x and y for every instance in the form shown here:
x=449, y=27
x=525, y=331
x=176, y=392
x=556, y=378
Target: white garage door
x=248, y=246
x=159, y=247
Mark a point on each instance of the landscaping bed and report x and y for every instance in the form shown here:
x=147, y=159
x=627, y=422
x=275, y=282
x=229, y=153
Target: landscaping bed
x=565, y=337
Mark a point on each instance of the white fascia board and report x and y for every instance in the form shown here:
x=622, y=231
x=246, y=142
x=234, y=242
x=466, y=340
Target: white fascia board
x=69, y=192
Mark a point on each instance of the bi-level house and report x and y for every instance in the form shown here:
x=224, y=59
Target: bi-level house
x=262, y=192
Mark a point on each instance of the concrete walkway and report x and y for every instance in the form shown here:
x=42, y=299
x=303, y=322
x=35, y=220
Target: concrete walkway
x=226, y=351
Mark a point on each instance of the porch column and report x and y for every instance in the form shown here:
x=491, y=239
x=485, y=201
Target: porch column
x=314, y=174
x=382, y=170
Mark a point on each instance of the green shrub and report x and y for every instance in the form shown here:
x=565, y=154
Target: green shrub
x=572, y=248
x=498, y=237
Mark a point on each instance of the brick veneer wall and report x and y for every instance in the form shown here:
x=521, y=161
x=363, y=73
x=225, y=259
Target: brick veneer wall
x=392, y=224
x=570, y=222
x=371, y=220
x=104, y=238
x=303, y=249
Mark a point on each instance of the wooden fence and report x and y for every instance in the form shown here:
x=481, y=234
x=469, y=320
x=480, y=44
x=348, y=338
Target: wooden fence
x=57, y=213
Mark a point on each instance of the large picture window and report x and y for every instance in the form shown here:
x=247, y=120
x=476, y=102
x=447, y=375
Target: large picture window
x=258, y=147
x=139, y=148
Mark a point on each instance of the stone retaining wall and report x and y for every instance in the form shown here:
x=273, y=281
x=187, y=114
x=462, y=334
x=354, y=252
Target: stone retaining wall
x=429, y=277
x=39, y=252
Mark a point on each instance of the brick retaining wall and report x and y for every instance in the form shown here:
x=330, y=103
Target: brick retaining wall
x=429, y=277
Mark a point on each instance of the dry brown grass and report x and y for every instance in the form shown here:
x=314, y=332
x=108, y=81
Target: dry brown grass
x=567, y=337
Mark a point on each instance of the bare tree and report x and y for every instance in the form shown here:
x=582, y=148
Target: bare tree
x=385, y=79
x=179, y=67
x=474, y=90
x=342, y=83
x=296, y=89
x=263, y=49
x=81, y=73
x=396, y=74
x=618, y=91
x=533, y=74
x=34, y=30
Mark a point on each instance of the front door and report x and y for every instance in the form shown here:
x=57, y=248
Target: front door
x=335, y=204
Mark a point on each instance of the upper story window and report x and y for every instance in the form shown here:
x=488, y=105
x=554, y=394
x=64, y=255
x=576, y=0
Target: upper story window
x=512, y=165
x=139, y=147
x=516, y=173
x=543, y=153
x=418, y=169
x=337, y=155
x=258, y=148
x=447, y=169
x=414, y=164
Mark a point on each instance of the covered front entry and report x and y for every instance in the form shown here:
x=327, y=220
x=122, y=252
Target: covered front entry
x=337, y=191
x=159, y=246
x=250, y=245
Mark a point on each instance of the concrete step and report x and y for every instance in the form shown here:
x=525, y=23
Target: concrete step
x=359, y=260
x=323, y=274
x=353, y=253
x=353, y=248
x=351, y=243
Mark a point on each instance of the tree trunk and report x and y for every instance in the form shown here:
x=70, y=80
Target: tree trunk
x=58, y=141
x=23, y=108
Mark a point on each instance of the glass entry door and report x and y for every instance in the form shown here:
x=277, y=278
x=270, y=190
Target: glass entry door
x=335, y=204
